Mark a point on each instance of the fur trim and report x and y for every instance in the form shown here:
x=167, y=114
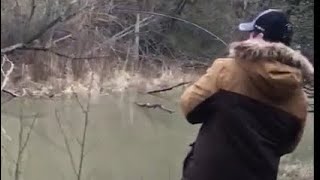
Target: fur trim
x=258, y=49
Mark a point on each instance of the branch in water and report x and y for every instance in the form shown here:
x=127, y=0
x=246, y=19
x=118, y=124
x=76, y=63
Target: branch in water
x=154, y=106
x=168, y=88
x=12, y=94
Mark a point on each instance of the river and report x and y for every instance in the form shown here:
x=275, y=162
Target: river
x=123, y=142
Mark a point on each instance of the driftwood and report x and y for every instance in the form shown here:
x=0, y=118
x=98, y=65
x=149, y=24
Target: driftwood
x=168, y=88
x=154, y=106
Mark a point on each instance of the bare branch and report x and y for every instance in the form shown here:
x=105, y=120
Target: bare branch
x=61, y=18
x=33, y=7
x=85, y=128
x=78, y=101
x=42, y=31
x=20, y=139
x=154, y=106
x=66, y=142
x=11, y=48
x=6, y=74
x=168, y=88
x=130, y=29
x=62, y=38
x=82, y=154
x=125, y=10
x=29, y=133
x=13, y=94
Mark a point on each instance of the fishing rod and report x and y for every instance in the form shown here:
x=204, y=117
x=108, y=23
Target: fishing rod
x=126, y=10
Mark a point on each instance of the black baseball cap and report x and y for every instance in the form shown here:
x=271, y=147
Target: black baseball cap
x=273, y=23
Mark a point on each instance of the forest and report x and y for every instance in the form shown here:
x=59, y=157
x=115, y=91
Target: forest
x=54, y=42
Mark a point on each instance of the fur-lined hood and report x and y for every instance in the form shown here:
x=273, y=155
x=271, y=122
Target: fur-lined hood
x=254, y=50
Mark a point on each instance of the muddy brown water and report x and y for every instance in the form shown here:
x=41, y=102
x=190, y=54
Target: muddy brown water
x=124, y=141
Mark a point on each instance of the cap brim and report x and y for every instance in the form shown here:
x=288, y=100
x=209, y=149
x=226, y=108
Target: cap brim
x=246, y=26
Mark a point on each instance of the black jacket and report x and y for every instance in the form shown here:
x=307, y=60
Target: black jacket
x=252, y=108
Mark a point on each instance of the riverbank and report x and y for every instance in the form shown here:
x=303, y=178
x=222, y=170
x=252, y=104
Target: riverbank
x=101, y=77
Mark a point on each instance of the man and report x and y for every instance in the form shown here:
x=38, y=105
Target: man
x=251, y=105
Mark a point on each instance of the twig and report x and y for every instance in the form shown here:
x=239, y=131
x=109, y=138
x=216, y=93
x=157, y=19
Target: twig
x=130, y=29
x=61, y=18
x=10, y=93
x=78, y=101
x=29, y=133
x=11, y=48
x=84, y=134
x=17, y=170
x=85, y=128
x=66, y=142
x=22, y=145
x=172, y=17
x=154, y=106
x=168, y=88
x=62, y=38
x=33, y=7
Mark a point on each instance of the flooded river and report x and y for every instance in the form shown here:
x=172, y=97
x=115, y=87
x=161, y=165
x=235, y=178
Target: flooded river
x=123, y=141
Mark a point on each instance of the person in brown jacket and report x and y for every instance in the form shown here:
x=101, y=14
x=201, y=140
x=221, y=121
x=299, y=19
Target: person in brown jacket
x=251, y=105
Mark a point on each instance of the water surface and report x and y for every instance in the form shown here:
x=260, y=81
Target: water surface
x=124, y=141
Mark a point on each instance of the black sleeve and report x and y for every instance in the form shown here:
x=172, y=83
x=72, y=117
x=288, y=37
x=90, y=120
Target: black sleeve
x=201, y=112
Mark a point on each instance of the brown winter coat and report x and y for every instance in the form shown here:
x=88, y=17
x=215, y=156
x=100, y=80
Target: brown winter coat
x=270, y=75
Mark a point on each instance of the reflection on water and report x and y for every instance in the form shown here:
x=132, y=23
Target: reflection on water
x=124, y=141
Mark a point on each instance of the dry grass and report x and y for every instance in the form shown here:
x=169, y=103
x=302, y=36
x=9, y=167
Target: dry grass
x=116, y=76
x=92, y=41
